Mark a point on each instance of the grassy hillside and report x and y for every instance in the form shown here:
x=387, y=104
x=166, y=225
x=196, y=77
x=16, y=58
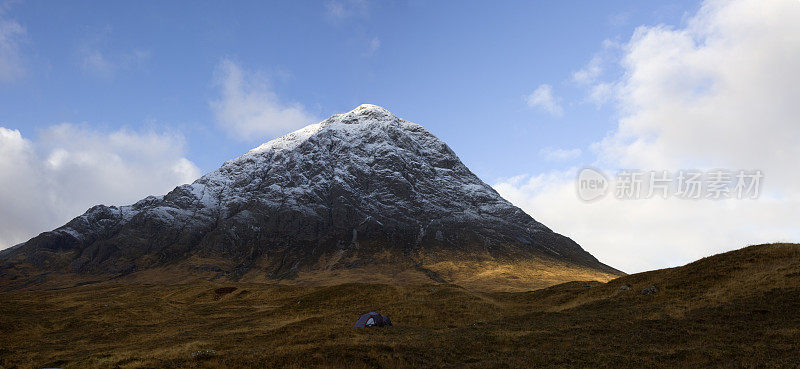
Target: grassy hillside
x=472, y=271
x=730, y=310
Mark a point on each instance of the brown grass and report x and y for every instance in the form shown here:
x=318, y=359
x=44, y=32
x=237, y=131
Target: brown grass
x=739, y=309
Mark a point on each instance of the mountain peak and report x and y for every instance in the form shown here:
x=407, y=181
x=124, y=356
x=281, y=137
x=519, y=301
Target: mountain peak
x=368, y=109
x=364, y=113
x=357, y=189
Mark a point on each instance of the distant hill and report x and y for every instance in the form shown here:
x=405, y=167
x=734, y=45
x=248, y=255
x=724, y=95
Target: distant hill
x=745, y=274
x=360, y=197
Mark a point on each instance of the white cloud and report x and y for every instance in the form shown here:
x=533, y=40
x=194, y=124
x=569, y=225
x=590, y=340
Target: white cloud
x=100, y=57
x=590, y=72
x=96, y=62
x=638, y=235
x=719, y=92
x=619, y=19
x=552, y=154
x=335, y=9
x=249, y=110
x=353, y=14
x=372, y=46
x=590, y=76
x=69, y=168
x=338, y=10
x=542, y=98
x=601, y=93
x=11, y=35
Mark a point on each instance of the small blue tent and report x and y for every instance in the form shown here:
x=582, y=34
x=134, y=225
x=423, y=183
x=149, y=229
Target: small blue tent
x=372, y=319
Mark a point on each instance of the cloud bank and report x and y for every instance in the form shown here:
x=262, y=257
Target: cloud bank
x=249, y=110
x=68, y=168
x=718, y=92
x=542, y=98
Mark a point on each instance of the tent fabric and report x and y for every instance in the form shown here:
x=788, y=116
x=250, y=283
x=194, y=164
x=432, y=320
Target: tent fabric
x=372, y=319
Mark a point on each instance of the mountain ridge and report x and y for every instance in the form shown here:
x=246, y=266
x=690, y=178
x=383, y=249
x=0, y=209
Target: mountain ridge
x=332, y=195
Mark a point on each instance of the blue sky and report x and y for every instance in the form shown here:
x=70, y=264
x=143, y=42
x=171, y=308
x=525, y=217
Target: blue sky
x=461, y=71
x=108, y=102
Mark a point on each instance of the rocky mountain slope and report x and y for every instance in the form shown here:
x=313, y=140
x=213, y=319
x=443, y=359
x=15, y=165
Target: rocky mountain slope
x=358, y=190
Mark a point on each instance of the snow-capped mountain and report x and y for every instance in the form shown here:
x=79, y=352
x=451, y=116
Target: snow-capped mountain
x=332, y=195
